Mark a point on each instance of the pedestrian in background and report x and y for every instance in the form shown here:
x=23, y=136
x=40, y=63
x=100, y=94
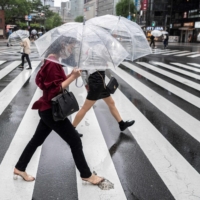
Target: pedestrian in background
x=26, y=45
x=152, y=39
x=51, y=79
x=9, y=33
x=165, y=41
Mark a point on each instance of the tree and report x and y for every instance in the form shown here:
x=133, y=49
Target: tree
x=15, y=9
x=122, y=8
x=79, y=19
x=53, y=21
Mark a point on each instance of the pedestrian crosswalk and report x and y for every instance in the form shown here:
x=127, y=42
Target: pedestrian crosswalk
x=177, y=53
x=157, y=158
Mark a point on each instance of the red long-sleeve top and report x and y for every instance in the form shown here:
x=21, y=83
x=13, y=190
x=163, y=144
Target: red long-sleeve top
x=49, y=80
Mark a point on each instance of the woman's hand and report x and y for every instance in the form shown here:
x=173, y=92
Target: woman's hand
x=75, y=73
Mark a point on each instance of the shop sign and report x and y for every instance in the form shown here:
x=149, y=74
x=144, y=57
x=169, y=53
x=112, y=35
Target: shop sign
x=137, y=4
x=197, y=25
x=177, y=25
x=151, y=28
x=188, y=24
x=144, y=5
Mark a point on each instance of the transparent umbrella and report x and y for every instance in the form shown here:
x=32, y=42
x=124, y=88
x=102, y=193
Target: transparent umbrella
x=84, y=46
x=164, y=32
x=156, y=33
x=128, y=33
x=34, y=32
x=18, y=36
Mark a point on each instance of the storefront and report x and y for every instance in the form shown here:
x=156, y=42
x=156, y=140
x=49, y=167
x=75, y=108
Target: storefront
x=197, y=32
x=186, y=34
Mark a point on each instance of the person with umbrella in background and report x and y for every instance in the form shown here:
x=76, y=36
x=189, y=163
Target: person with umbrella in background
x=51, y=79
x=152, y=41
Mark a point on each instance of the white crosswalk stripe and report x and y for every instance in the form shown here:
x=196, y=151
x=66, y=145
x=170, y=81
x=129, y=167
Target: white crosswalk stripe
x=176, y=172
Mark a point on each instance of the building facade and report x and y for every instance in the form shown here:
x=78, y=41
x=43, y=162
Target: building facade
x=48, y=2
x=71, y=9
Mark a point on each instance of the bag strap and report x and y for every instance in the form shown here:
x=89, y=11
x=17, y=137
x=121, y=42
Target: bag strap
x=104, y=84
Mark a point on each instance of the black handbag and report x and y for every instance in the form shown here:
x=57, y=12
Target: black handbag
x=64, y=105
x=112, y=85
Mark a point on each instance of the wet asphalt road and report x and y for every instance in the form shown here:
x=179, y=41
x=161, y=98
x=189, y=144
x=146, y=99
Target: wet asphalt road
x=140, y=175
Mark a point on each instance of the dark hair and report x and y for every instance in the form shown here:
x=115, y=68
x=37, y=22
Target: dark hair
x=57, y=45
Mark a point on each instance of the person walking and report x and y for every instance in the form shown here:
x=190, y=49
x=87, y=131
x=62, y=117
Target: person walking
x=9, y=33
x=51, y=79
x=152, y=38
x=97, y=90
x=165, y=41
x=26, y=45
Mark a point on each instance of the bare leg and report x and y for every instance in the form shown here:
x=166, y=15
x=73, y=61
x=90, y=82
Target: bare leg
x=79, y=116
x=111, y=104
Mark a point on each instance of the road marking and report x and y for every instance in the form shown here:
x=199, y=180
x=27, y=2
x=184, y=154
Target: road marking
x=185, y=54
x=20, y=189
x=195, y=76
x=97, y=155
x=186, y=67
x=179, y=176
x=2, y=61
x=194, y=64
x=194, y=56
x=9, y=92
x=167, y=54
x=166, y=85
x=5, y=71
x=171, y=75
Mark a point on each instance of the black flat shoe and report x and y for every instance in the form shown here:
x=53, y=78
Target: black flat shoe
x=126, y=124
x=21, y=67
x=29, y=68
x=80, y=135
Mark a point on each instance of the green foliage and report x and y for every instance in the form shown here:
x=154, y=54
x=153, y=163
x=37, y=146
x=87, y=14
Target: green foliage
x=53, y=21
x=79, y=19
x=122, y=8
x=23, y=25
x=15, y=10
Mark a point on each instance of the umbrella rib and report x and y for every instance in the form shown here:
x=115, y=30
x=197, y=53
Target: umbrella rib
x=81, y=48
x=104, y=45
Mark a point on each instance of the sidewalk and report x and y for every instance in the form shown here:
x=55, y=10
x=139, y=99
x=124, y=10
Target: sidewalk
x=179, y=44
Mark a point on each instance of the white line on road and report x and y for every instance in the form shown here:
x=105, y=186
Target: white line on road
x=166, y=85
x=195, y=76
x=9, y=92
x=97, y=155
x=20, y=189
x=171, y=75
x=186, y=67
x=182, y=180
x=5, y=71
x=185, y=54
x=194, y=56
x=194, y=64
x=167, y=54
x=2, y=61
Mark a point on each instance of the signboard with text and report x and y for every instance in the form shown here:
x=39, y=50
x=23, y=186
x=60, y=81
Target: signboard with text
x=144, y=5
x=151, y=28
x=197, y=25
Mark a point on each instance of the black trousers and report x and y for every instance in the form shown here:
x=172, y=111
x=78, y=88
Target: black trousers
x=66, y=131
x=152, y=42
x=27, y=58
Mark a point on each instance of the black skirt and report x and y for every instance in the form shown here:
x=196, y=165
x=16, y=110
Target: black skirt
x=97, y=89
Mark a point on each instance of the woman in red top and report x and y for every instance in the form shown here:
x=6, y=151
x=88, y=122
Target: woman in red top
x=50, y=79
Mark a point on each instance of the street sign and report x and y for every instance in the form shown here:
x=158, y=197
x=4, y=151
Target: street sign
x=129, y=17
x=29, y=18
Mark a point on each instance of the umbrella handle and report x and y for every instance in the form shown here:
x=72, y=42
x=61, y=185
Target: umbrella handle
x=77, y=84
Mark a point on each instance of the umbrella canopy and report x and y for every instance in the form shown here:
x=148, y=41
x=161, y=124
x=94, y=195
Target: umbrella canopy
x=84, y=46
x=128, y=33
x=18, y=36
x=164, y=32
x=156, y=33
x=34, y=32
